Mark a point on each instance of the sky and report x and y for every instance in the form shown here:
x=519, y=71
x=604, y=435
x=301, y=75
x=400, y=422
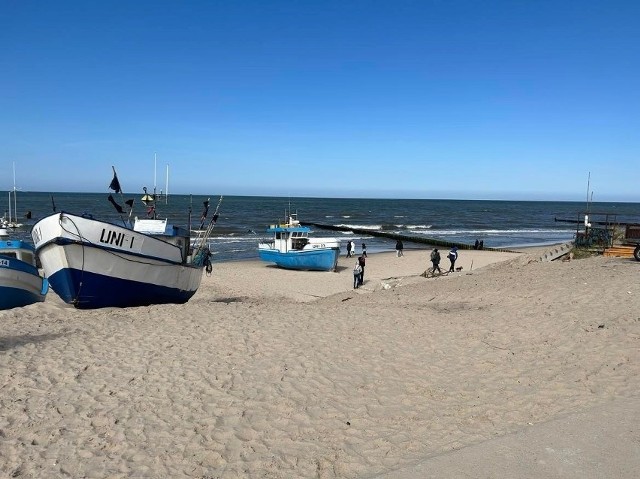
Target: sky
x=460, y=99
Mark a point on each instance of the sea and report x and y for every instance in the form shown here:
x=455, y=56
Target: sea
x=242, y=220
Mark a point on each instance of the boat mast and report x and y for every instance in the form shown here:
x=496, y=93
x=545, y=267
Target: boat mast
x=15, y=202
x=155, y=162
x=166, y=189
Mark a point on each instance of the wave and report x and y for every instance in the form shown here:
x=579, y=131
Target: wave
x=361, y=227
x=413, y=227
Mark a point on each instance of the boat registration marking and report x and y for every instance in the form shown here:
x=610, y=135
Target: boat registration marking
x=121, y=240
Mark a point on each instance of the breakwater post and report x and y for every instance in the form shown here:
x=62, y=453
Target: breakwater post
x=397, y=236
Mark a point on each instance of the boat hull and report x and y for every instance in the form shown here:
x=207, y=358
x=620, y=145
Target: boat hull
x=310, y=260
x=91, y=264
x=20, y=284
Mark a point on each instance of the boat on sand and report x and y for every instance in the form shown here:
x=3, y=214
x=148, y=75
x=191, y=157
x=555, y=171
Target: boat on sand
x=20, y=280
x=96, y=264
x=292, y=247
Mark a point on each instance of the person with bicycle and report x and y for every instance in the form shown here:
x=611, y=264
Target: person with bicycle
x=435, y=261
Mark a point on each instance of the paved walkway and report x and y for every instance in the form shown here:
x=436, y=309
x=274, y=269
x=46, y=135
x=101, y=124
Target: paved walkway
x=602, y=442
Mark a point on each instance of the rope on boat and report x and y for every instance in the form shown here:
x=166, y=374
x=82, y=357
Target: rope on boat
x=201, y=253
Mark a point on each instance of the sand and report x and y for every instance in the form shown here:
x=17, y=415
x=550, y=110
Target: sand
x=268, y=373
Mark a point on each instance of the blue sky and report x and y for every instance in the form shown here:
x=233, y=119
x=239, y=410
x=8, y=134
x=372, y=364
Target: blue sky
x=460, y=99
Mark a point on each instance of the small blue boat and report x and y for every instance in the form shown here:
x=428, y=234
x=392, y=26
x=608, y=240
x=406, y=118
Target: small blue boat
x=20, y=280
x=291, y=247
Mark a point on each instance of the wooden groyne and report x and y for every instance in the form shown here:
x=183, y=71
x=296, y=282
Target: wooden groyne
x=402, y=237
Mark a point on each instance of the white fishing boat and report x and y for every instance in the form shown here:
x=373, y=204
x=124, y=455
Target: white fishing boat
x=95, y=264
x=20, y=280
x=292, y=247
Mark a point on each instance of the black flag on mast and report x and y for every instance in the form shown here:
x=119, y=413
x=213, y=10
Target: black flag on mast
x=115, y=205
x=205, y=212
x=115, y=184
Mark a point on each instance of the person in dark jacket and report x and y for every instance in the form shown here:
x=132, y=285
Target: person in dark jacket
x=453, y=256
x=435, y=260
x=399, y=248
x=361, y=262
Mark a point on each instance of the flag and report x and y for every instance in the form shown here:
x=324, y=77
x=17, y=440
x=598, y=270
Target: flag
x=129, y=203
x=28, y=215
x=115, y=205
x=115, y=184
x=204, y=213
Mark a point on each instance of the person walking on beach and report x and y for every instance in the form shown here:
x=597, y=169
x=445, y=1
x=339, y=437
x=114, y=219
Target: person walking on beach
x=357, y=271
x=453, y=256
x=364, y=250
x=348, y=249
x=399, y=248
x=435, y=260
x=353, y=248
x=361, y=262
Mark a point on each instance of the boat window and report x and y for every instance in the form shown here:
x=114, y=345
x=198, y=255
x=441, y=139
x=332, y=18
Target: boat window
x=10, y=254
x=27, y=257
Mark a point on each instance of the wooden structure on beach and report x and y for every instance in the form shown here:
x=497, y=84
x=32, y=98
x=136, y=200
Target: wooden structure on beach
x=402, y=237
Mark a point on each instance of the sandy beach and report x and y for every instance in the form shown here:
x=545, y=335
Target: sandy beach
x=269, y=373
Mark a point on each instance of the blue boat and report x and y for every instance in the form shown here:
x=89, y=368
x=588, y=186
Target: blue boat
x=20, y=280
x=291, y=247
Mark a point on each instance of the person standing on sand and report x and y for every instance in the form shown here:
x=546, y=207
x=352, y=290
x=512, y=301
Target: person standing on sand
x=348, y=249
x=453, y=256
x=399, y=248
x=361, y=262
x=357, y=271
x=353, y=248
x=435, y=260
x=364, y=250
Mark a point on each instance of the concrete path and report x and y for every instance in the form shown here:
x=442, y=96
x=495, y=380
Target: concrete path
x=602, y=442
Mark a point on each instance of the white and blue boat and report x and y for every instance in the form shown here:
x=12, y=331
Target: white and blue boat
x=290, y=246
x=96, y=264
x=20, y=280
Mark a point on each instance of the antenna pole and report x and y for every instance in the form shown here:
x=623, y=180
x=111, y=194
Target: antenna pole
x=166, y=189
x=15, y=201
x=155, y=162
x=588, y=186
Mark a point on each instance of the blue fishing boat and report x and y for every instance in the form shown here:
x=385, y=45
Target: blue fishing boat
x=291, y=247
x=20, y=280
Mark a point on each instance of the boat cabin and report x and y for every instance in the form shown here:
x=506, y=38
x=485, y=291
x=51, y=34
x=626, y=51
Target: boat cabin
x=19, y=250
x=175, y=235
